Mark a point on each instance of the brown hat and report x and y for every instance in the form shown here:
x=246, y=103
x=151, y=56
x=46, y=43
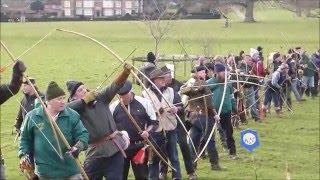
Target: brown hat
x=165, y=69
x=53, y=91
x=157, y=73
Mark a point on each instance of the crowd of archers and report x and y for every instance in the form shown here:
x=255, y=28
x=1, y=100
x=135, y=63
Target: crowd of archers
x=117, y=128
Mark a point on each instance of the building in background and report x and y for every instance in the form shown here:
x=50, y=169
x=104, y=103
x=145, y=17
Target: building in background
x=53, y=8
x=21, y=11
x=101, y=8
x=15, y=11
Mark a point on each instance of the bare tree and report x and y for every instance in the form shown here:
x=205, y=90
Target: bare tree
x=158, y=29
x=300, y=7
x=159, y=22
x=207, y=44
x=216, y=4
x=249, y=11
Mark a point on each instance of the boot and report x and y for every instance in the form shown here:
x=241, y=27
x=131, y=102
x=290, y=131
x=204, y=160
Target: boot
x=224, y=145
x=302, y=91
x=263, y=113
x=314, y=92
x=243, y=118
x=195, y=165
x=278, y=111
x=162, y=176
x=257, y=120
x=289, y=104
x=204, y=155
x=234, y=156
x=216, y=167
x=192, y=176
x=307, y=92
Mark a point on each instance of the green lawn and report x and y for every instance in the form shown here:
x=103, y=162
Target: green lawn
x=294, y=139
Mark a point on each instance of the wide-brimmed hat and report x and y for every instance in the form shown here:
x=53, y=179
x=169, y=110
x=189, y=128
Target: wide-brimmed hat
x=198, y=68
x=157, y=73
x=165, y=69
x=209, y=66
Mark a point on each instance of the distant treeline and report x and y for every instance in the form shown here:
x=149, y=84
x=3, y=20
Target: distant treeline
x=127, y=17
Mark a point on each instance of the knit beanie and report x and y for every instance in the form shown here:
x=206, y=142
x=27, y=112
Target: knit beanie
x=151, y=57
x=126, y=88
x=53, y=91
x=72, y=86
x=219, y=68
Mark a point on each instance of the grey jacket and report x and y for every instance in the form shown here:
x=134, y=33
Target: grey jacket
x=28, y=103
x=98, y=120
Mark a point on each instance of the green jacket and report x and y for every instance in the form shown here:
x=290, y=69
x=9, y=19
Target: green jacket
x=310, y=69
x=217, y=90
x=33, y=142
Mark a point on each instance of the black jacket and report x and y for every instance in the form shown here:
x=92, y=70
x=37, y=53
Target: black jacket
x=27, y=103
x=8, y=90
x=175, y=85
x=98, y=120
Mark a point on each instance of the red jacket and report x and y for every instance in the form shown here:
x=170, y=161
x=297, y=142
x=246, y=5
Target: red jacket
x=259, y=69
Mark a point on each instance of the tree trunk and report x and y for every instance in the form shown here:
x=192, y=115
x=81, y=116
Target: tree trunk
x=139, y=8
x=298, y=8
x=298, y=12
x=249, y=11
x=308, y=12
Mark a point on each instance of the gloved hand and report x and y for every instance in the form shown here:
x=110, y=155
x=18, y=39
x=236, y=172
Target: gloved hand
x=25, y=163
x=267, y=71
x=90, y=96
x=127, y=66
x=280, y=90
x=161, y=111
x=217, y=118
x=122, y=77
x=289, y=78
x=73, y=152
x=19, y=67
x=236, y=94
x=145, y=134
x=173, y=110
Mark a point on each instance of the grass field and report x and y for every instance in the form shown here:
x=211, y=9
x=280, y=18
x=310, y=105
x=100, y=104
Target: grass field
x=292, y=140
